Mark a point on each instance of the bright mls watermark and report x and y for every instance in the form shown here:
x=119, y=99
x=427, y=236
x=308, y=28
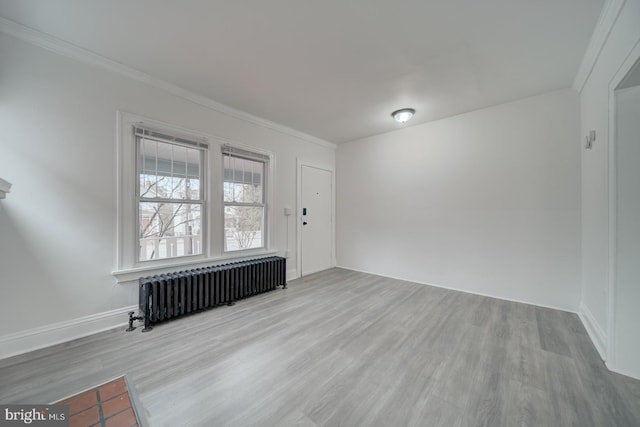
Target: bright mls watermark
x=34, y=415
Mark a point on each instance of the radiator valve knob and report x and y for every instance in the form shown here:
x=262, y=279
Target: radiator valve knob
x=131, y=319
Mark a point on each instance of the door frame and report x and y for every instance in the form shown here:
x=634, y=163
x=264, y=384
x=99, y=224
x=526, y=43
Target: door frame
x=610, y=352
x=331, y=169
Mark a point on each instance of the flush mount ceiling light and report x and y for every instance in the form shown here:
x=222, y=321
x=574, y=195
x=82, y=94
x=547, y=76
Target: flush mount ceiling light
x=403, y=115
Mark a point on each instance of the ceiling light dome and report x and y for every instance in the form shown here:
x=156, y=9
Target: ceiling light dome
x=403, y=115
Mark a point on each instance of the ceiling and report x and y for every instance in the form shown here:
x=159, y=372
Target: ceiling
x=334, y=69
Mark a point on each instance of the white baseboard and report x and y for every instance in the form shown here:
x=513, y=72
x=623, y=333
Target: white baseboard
x=568, y=310
x=595, y=331
x=57, y=333
x=292, y=274
x=46, y=336
x=615, y=369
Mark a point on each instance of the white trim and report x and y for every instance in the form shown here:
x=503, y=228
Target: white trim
x=203, y=153
x=621, y=372
x=611, y=230
x=466, y=291
x=132, y=274
x=595, y=331
x=5, y=187
x=616, y=81
x=127, y=254
x=127, y=267
x=299, y=164
x=608, y=17
x=268, y=192
x=56, y=333
x=292, y=274
x=69, y=50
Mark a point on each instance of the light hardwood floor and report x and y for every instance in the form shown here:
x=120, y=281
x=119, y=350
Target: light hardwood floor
x=342, y=348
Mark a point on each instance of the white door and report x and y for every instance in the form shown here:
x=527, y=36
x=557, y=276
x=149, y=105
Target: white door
x=316, y=219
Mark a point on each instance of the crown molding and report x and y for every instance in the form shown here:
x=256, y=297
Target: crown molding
x=606, y=21
x=70, y=50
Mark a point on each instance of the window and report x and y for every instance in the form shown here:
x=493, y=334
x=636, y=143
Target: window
x=170, y=196
x=244, y=199
x=172, y=210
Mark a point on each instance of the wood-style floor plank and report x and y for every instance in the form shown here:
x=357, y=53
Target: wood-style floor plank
x=343, y=348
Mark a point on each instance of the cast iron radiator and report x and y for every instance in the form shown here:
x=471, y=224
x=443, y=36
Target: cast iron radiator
x=170, y=295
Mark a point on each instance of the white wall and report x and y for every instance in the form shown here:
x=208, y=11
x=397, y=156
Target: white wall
x=58, y=149
x=594, y=114
x=627, y=341
x=486, y=202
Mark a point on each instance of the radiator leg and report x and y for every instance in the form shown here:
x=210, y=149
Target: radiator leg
x=230, y=303
x=147, y=322
x=147, y=328
x=145, y=309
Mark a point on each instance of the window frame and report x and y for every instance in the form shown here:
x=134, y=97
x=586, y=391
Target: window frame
x=127, y=267
x=253, y=155
x=202, y=201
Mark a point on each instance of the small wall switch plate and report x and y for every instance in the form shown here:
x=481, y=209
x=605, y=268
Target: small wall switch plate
x=287, y=211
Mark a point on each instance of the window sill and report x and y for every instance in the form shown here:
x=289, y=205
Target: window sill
x=133, y=274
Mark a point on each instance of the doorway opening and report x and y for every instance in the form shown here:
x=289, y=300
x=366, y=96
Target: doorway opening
x=624, y=226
